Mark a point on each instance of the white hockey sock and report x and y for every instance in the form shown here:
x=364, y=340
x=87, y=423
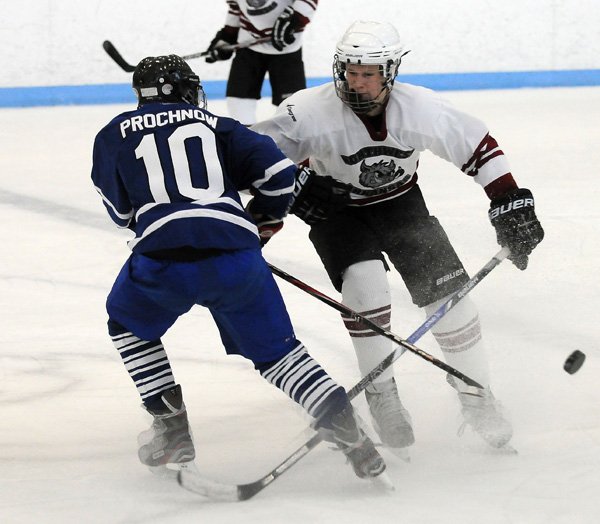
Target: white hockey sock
x=366, y=290
x=242, y=109
x=459, y=335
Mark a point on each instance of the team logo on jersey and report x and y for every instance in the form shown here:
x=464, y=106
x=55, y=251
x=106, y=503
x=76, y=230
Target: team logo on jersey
x=379, y=174
x=258, y=7
x=373, y=151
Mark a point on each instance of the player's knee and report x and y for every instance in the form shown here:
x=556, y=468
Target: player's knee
x=365, y=285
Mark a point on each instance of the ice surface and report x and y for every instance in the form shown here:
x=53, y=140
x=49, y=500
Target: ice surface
x=70, y=414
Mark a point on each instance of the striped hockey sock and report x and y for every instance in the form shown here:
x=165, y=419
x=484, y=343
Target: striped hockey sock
x=303, y=380
x=145, y=360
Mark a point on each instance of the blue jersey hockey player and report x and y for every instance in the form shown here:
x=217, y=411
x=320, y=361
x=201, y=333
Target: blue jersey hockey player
x=171, y=171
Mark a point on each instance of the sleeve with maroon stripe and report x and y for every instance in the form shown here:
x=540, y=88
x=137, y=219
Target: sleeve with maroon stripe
x=466, y=141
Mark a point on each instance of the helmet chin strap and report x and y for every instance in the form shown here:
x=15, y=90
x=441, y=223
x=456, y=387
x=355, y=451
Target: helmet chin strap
x=363, y=107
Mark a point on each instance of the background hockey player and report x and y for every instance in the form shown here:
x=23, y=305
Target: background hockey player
x=367, y=133
x=281, y=57
x=170, y=171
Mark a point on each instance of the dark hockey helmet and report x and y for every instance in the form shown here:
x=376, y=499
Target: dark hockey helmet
x=167, y=79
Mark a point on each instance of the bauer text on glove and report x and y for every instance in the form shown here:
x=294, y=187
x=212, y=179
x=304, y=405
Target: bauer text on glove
x=317, y=197
x=517, y=227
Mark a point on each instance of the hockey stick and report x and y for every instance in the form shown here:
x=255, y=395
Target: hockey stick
x=190, y=479
x=231, y=47
x=112, y=51
x=405, y=344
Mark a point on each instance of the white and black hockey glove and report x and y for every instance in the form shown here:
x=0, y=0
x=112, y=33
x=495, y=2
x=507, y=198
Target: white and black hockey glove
x=517, y=227
x=284, y=28
x=317, y=197
x=216, y=51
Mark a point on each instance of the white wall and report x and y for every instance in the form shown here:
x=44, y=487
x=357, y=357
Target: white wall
x=58, y=42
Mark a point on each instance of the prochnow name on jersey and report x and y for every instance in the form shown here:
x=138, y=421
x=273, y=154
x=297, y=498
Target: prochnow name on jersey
x=152, y=120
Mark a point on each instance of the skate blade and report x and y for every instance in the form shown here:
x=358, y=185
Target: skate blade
x=171, y=471
x=383, y=482
x=507, y=449
x=401, y=453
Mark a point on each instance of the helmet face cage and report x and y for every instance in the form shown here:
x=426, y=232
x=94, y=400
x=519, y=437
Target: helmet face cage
x=367, y=43
x=167, y=79
x=351, y=98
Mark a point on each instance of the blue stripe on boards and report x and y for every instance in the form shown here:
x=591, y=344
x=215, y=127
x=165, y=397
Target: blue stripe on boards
x=66, y=95
x=84, y=94
x=505, y=80
x=215, y=89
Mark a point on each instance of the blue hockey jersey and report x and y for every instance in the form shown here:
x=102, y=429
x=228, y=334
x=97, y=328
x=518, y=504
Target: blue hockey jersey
x=172, y=172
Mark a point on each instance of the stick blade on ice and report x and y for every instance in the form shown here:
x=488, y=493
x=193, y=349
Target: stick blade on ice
x=194, y=482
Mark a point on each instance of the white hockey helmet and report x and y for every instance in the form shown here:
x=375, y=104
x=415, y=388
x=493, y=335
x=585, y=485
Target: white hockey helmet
x=366, y=42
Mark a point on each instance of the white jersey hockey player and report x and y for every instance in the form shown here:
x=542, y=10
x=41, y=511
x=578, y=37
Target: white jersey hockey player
x=367, y=134
x=275, y=29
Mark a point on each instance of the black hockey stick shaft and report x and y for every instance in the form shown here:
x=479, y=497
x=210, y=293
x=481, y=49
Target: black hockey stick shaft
x=246, y=491
x=231, y=47
x=112, y=51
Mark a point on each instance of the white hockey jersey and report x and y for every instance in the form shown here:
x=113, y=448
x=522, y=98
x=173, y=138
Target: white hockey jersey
x=255, y=18
x=315, y=125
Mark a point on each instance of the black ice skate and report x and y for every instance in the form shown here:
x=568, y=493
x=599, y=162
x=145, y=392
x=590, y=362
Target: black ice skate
x=354, y=443
x=169, y=439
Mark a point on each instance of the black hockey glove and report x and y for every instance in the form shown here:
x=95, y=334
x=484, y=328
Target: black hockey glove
x=316, y=197
x=215, y=50
x=267, y=225
x=284, y=28
x=517, y=227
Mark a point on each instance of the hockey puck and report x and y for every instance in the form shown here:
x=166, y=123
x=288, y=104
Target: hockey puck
x=574, y=362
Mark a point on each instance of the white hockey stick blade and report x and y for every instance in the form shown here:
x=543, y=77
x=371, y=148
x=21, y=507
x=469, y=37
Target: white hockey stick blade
x=164, y=472
x=190, y=479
